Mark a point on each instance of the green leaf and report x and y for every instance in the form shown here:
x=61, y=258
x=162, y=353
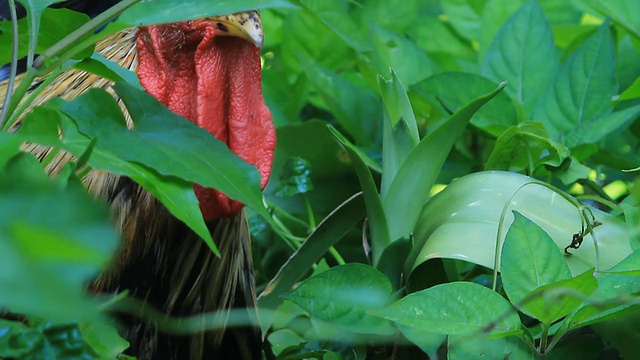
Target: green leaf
x=375, y=212
x=391, y=50
x=35, y=9
x=41, y=126
x=632, y=92
x=495, y=14
x=165, y=142
x=461, y=222
x=427, y=341
x=392, y=260
x=595, y=129
x=400, y=129
x=99, y=65
x=169, y=11
x=624, y=12
x=457, y=308
x=103, y=338
x=570, y=171
x=54, y=25
x=17, y=340
x=55, y=238
x=411, y=186
x=296, y=178
x=529, y=259
x=464, y=16
x=631, y=217
x=479, y=347
x=9, y=147
x=334, y=14
x=284, y=339
x=582, y=91
x=521, y=147
x=554, y=301
x=523, y=54
x=344, y=295
x=328, y=233
x=612, y=296
x=494, y=117
x=353, y=107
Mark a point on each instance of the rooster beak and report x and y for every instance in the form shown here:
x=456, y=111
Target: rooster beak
x=245, y=25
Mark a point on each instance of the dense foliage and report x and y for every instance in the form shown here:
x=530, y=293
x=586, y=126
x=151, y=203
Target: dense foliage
x=452, y=177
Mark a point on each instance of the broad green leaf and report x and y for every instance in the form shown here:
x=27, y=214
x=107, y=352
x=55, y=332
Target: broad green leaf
x=624, y=12
x=64, y=341
x=35, y=8
x=134, y=14
x=480, y=347
x=523, y=54
x=344, y=295
x=99, y=65
x=613, y=295
x=296, y=178
x=284, y=339
x=392, y=260
x=495, y=14
x=176, y=194
x=581, y=91
x=561, y=12
x=632, y=92
x=621, y=333
x=400, y=129
x=411, y=186
x=334, y=14
x=399, y=19
x=103, y=338
x=332, y=176
x=427, y=341
x=164, y=141
x=54, y=25
x=354, y=108
x=494, y=117
x=529, y=260
x=54, y=239
x=554, y=301
x=570, y=171
x=375, y=212
x=9, y=147
x=300, y=40
x=464, y=16
x=328, y=233
x=461, y=222
x=457, y=308
x=147, y=13
x=632, y=219
x=521, y=147
x=394, y=51
x=17, y=340
x=595, y=129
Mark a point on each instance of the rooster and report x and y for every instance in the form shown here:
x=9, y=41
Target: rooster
x=207, y=71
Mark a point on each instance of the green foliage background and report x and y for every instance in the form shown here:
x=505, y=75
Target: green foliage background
x=391, y=99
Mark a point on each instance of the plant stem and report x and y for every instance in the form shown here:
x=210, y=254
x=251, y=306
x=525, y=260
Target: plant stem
x=336, y=255
x=13, y=70
x=544, y=337
x=312, y=219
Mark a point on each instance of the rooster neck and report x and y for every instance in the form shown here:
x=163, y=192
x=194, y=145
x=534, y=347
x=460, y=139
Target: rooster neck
x=163, y=262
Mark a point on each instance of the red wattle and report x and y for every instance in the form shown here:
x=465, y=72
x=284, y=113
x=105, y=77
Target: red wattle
x=214, y=81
